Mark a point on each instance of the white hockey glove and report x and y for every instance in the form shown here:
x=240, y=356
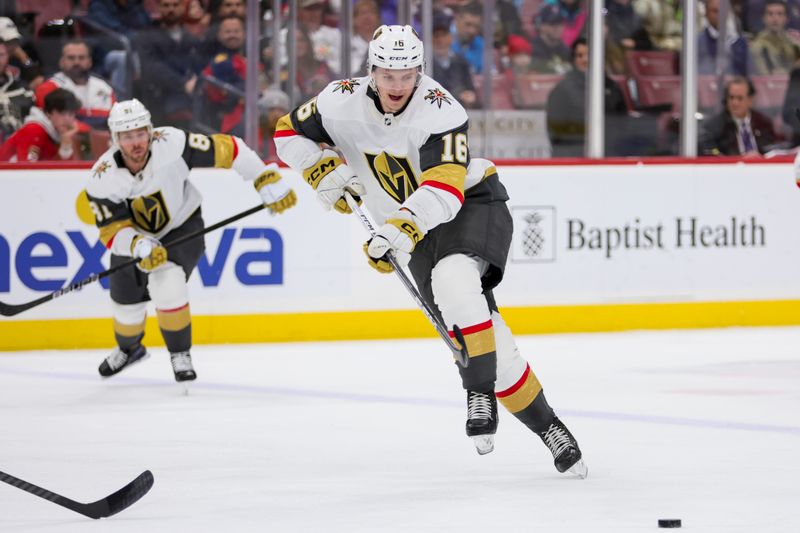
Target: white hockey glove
x=274, y=191
x=399, y=236
x=151, y=252
x=330, y=177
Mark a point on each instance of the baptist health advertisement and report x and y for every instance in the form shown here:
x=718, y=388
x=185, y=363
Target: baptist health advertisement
x=595, y=247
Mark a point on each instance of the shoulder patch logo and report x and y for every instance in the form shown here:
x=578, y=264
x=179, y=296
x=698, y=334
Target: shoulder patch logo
x=346, y=86
x=101, y=169
x=437, y=96
x=159, y=135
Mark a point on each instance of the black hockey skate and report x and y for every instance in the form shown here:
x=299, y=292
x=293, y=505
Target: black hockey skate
x=566, y=454
x=182, y=366
x=482, y=420
x=120, y=359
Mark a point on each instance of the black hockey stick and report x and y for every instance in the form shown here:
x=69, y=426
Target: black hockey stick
x=108, y=506
x=11, y=309
x=459, y=351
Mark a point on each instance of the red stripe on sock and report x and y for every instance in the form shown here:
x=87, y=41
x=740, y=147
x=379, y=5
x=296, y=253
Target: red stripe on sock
x=516, y=386
x=184, y=306
x=473, y=329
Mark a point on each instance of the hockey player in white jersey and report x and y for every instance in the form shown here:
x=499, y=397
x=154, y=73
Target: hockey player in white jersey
x=405, y=141
x=140, y=194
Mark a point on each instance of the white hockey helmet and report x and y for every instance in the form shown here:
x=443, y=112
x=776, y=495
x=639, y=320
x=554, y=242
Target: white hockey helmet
x=395, y=48
x=128, y=115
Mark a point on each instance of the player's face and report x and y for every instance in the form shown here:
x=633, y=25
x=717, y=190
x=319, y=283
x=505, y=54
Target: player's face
x=134, y=145
x=394, y=87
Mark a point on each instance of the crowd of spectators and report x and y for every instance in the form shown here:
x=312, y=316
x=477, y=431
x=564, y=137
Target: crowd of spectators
x=184, y=59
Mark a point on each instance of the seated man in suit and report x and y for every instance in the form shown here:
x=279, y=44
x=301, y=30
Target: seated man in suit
x=738, y=129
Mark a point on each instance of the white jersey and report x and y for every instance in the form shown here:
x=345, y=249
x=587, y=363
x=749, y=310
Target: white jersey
x=160, y=198
x=425, y=146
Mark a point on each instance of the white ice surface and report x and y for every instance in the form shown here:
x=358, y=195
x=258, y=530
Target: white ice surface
x=368, y=436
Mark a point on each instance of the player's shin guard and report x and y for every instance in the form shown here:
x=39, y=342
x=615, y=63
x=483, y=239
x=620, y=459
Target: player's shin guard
x=129, y=321
x=520, y=392
x=167, y=287
x=176, y=328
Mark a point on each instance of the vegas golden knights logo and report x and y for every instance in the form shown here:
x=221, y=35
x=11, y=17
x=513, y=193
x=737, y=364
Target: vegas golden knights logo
x=394, y=174
x=150, y=212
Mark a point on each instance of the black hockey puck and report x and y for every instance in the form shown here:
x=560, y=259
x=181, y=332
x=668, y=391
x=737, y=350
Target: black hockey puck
x=670, y=522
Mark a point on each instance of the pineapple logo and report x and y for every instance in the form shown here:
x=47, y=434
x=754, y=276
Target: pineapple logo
x=532, y=238
x=534, y=234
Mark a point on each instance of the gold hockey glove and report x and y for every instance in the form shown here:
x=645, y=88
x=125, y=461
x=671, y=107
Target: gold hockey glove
x=150, y=251
x=275, y=194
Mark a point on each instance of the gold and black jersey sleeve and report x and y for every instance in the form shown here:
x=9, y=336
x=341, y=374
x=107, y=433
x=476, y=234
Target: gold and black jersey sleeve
x=110, y=217
x=217, y=150
x=304, y=120
x=443, y=160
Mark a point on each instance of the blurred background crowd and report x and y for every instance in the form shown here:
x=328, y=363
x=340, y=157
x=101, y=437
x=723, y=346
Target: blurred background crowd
x=64, y=62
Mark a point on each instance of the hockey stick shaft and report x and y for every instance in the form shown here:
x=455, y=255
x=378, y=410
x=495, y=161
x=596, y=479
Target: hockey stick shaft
x=108, y=506
x=15, y=309
x=441, y=329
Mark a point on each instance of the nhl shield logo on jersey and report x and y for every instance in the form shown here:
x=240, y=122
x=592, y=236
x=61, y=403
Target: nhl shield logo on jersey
x=346, y=86
x=101, y=169
x=150, y=212
x=394, y=174
x=437, y=96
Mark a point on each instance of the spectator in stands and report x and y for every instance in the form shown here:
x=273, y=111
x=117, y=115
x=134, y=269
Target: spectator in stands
x=738, y=129
x=171, y=59
x=272, y=105
x=47, y=134
x=196, y=19
x=737, y=56
x=451, y=69
x=550, y=54
x=791, y=104
x=520, y=55
x=125, y=18
x=21, y=59
x=773, y=51
x=312, y=74
x=231, y=8
x=625, y=27
x=366, y=19
x=662, y=21
x=95, y=95
x=574, y=14
x=566, y=109
x=467, y=38
x=327, y=40
x=751, y=13
x=228, y=66
x=506, y=21
x=15, y=99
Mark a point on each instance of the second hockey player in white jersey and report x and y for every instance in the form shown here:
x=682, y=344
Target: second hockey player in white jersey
x=140, y=193
x=405, y=140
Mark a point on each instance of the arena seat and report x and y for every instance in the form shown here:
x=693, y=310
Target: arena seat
x=652, y=63
x=501, y=92
x=531, y=90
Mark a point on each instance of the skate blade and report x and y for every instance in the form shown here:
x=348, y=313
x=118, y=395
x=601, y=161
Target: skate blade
x=579, y=469
x=483, y=443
